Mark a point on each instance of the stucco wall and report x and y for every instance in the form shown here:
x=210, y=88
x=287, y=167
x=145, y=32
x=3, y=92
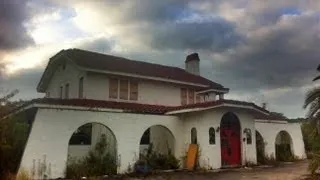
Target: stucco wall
x=269, y=132
x=53, y=128
x=71, y=74
x=210, y=155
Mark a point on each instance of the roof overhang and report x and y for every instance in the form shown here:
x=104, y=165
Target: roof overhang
x=219, y=105
x=211, y=90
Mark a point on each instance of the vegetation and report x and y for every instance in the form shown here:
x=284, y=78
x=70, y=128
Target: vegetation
x=98, y=162
x=311, y=129
x=156, y=161
x=13, y=136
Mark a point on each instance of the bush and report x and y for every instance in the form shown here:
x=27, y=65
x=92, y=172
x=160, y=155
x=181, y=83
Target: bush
x=98, y=162
x=157, y=161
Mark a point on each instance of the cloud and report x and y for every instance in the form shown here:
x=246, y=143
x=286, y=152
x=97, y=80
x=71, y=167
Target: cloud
x=13, y=34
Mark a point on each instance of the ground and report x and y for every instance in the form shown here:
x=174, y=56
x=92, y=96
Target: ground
x=293, y=171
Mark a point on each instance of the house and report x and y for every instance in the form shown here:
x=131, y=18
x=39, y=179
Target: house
x=136, y=103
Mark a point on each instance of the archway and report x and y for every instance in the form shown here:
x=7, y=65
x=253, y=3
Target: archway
x=93, y=138
x=157, y=148
x=230, y=140
x=283, y=145
x=260, y=148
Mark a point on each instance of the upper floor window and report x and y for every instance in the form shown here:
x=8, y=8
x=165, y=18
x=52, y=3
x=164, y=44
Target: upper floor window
x=123, y=89
x=61, y=92
x=247, y=131
x=187, y=96
x=184, y=95
x=133, y=90
x=198, y=99
x=66, y=95
x=81, y=87
x=113, y=88
x=212, y=136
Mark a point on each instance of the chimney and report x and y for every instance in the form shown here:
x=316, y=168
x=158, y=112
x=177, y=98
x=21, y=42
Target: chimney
x=192, y=63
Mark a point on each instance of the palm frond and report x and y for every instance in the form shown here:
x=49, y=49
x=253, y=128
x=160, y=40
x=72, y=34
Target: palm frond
x=311, y=96
x=314, y=108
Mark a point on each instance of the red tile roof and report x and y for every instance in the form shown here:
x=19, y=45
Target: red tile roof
x=133, y=107
x=97, y=61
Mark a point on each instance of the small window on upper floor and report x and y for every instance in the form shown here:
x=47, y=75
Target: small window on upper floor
x=133, y=90
x=61, y=92
x=81, y=88
x=190, y=96
x=113, y=88
x=184, y=96
x=124, y=89
x=66, y=95
x=212, y=136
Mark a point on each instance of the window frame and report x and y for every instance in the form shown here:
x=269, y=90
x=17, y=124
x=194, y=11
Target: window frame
x=212, y=136
x=124, y=93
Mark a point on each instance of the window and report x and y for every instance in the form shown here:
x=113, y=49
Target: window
x=183, y=96
x=133, y=90
x=61, y=91
x=212, y=136
x=113, y=88
x=82, y=136
x=124, y=89
x=145, y=139
x=198, y=100
x=81, y=87
x=191, y=96
x=194, y=136
x=66, y=95
x=247, y=131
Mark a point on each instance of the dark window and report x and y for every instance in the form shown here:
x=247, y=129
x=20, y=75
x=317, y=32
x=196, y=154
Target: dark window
x=145, y=139
x=194, y=136
x=81, y=87
x=66, y=95
x=248, y=136
x=212, y=136
x=82, y=136
x=61, y=91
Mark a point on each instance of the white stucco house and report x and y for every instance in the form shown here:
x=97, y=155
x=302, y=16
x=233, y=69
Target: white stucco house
x=137, y=103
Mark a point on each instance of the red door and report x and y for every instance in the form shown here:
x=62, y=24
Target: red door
x=230, y=147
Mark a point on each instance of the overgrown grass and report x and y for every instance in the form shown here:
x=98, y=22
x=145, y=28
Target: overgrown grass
x=98, y=162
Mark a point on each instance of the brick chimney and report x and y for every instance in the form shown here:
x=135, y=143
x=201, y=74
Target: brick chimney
x=192, y=63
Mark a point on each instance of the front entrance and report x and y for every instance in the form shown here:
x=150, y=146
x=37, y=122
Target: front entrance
x=230, y=140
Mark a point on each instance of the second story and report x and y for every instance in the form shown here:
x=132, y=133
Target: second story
x=76, y=73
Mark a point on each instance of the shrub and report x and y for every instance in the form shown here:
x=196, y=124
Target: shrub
x=98, y=162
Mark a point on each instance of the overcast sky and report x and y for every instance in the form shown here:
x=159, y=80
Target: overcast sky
x=264, y=51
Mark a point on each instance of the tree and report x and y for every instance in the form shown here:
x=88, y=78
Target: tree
x=312, y=103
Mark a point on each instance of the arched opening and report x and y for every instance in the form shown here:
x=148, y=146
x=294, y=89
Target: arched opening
x=230, y=140
x=157, y=148
x=260, y=145
x=194, y=138
x=212, y=136
x=283, y=145
x=93, y=142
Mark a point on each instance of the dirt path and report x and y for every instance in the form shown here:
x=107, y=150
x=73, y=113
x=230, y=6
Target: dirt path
x=294, y=171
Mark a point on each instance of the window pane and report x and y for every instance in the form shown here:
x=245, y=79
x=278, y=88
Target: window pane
x=61, y=91
x=113, y=88
x=124, y=89
x=191, y=96
x=81, y=87
x=212, y=136
x=197, y=98
x=194, y=136
x=183, y=96
x=67, y=91
x=133, y=91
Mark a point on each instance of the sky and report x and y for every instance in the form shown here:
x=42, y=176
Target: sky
x=264, y=51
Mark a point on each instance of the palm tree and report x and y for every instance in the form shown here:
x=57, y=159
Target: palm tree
x=312, y=103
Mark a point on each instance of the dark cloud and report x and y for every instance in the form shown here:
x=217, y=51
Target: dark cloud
x=216, y=35
x=102, y=45
x=283, y=55
x=13, y=34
